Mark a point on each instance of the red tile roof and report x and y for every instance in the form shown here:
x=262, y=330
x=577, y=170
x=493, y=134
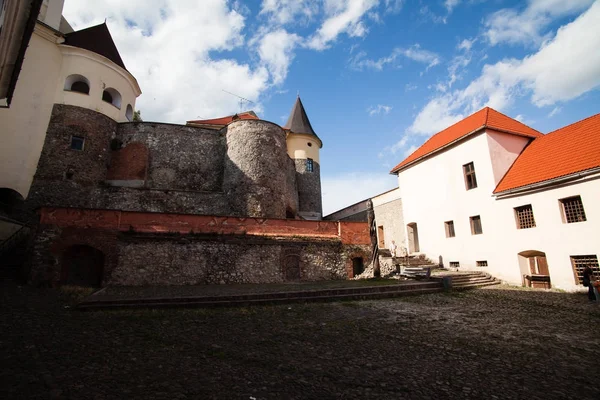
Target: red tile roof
x=224, y=120
x=569, y=150
x=484, y=118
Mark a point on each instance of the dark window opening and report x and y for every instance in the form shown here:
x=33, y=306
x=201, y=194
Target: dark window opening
x=309, y=165
x=107, y=97
x=482, y=263
x=77, y=143
x=454, y=264
x=69, y=174
x=80, y=87
x=309, y=144
x=358, y=266
x=573, y=211
x=524, y=217
x=476, y=228
x=470, y=179
x=449, y=229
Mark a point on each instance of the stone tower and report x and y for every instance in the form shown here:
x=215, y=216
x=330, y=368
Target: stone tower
x=303, y=146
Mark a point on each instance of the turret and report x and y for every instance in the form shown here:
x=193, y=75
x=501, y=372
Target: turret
x=303, y=147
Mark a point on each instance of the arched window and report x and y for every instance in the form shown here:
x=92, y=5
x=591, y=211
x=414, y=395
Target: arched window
x=77, y=83
x=129, y=113
x=112, y=96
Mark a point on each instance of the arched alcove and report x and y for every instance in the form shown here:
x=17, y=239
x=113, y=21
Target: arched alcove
x=77, y=83
x=129, y=113
x=82, y=265
x=112, y=96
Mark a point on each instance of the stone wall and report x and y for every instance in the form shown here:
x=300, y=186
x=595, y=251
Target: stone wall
x=389, y=215
x=255, y=169
x=309, y=188
x=180, y=157
x=173, y=249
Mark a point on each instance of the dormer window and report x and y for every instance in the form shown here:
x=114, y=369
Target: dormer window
x=309, y=165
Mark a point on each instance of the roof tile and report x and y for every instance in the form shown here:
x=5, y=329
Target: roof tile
x=574, y=148
x=484, y=118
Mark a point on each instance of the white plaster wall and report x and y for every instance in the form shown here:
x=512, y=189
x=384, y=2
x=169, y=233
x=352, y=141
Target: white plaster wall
x=298, y=148
x=101, y=73
x=434, y=191
x=551, y=235
x=23, y=125
x=504, y=150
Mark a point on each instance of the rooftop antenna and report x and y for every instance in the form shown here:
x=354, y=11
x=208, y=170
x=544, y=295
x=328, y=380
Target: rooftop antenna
x=242, y=99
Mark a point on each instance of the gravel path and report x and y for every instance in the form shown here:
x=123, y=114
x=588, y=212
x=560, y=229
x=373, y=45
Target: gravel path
x=492, y=343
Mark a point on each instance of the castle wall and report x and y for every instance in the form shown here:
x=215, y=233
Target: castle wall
x=255, y=178
x=180, y=157
x=169, y=249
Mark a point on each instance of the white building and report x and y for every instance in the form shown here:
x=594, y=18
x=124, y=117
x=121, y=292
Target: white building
x=492, y=194
x=60, y=66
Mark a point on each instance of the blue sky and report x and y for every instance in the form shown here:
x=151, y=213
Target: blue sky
x=377, y=77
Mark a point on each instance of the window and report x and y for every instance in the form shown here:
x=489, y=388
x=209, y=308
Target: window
x=476, y=228
x=129, y=112
x=572, y=209
x=470, y=179
x=77, y=83
x=309, y=165
x=524, y=217
x=580, y=262
x=112, y=96
x=482, y=263
x=454, y=264
x=309, y=144
x=77, y=142
x=449, y=229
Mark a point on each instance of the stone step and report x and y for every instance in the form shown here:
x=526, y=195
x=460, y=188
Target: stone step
x=475, y=285
x=471, y=279
x=256, y=302
x=369, y=293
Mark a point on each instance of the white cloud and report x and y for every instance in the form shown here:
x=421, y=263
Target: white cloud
x=343, y=16
x=410, y=86
x=451, y=4
x=393, y=6
x=172, y=48
x=562, y=69
x=415, y=53
x=379, y=109
x=418, y=54
x=466, y=44
x=287, y=11
x=343, y=190
x=512, y=26
x=276, y=53
x=554, y=111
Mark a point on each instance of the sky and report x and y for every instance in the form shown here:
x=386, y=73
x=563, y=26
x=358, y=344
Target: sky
x=376, y=77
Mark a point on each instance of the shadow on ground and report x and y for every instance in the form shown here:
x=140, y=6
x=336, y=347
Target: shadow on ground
x=491, y=343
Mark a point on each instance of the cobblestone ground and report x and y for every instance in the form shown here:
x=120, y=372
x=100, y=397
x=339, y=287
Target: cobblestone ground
x=490, y=343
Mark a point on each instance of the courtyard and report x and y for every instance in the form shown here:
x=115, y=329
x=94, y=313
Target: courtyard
x=496, y=343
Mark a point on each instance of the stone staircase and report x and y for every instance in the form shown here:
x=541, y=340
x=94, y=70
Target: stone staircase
x=470, y=280
x=99, y=302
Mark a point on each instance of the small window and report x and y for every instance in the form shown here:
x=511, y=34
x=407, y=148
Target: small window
x=482, y=263
x=77, y=83
x=112, y=96
x=77, y=143
x=580, y=262
x=309, y=144
x=454, y=264
x=524, y=217
x=449, y=229
x=476, y=228
x=572, y=210
x=309, y=165
x=106, y=97
x=470, y=179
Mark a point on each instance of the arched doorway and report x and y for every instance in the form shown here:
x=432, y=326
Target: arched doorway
x=413, y=238
x=534, y=269
x=82, y=266
x=291, y=267
x=358, y=266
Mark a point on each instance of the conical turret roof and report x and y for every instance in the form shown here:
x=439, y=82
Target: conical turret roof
x=298, y=121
